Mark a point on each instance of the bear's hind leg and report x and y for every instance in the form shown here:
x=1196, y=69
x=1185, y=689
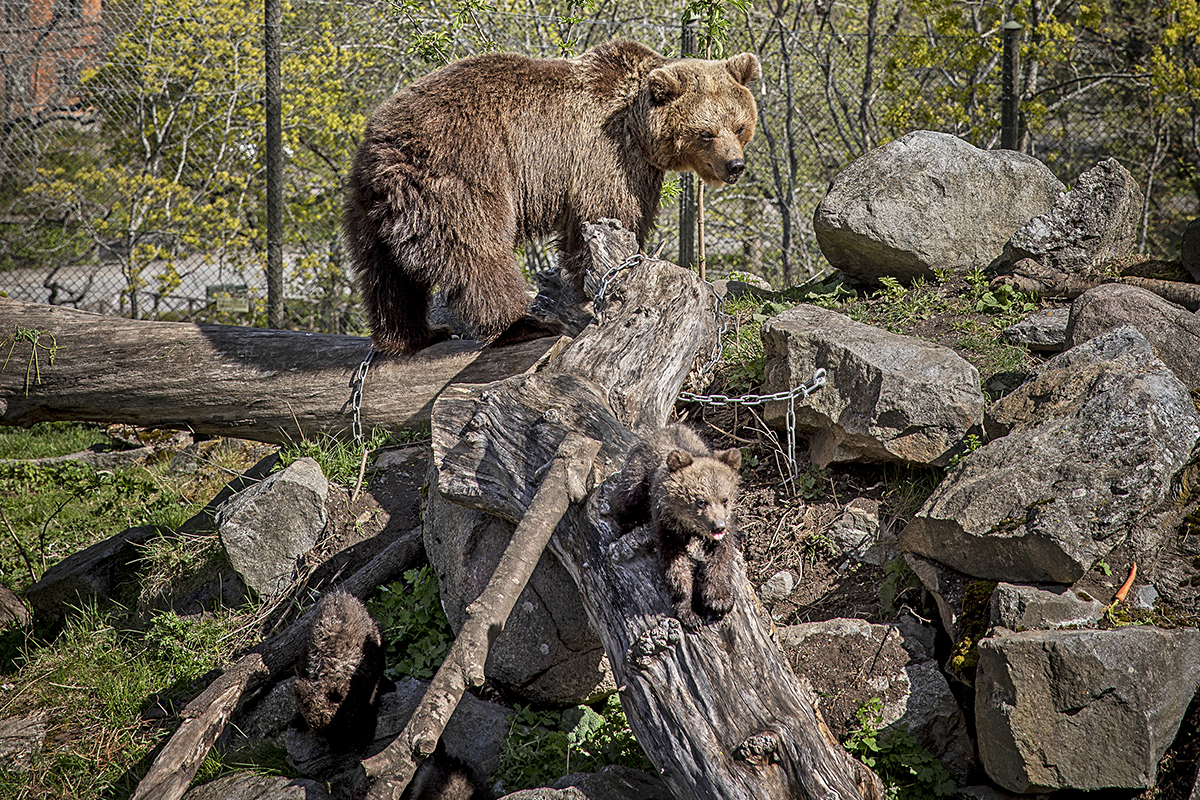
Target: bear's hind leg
x=716, y=584
x=397, y=306
x=492, y=297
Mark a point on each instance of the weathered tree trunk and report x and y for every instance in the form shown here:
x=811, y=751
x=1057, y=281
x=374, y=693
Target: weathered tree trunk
x=266, y=385
x=204, y=718
x=565, y=482
x=719, y=712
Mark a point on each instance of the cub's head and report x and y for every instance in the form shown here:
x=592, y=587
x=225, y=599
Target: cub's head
x=698, y=492
x=702, y=115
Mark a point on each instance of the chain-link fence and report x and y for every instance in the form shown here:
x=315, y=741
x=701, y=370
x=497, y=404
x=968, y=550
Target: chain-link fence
x=132, y=155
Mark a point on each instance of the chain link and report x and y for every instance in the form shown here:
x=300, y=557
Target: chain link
x=356, y=392
x=804, y=390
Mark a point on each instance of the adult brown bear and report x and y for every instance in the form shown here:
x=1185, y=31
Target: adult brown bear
x=482, y=155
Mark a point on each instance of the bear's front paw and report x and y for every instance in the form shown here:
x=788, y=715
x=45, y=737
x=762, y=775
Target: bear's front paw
x=690, y=620
x=717, y=597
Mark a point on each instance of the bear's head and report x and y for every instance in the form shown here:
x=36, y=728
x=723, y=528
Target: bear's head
x=702, y=115
x=698, y=492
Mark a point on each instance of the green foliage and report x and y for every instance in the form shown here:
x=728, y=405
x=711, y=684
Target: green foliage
x=416, y=634
x=339, y=458
x=1005, y=300
x=544, y=745
x=897, y=578
x=49, y=439
x=908, y=770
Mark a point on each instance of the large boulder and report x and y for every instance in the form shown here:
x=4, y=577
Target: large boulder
x=1087, y=447
x=929, y=201
x=1082, y=709
x=253, y=786
x=1095, y=222
x=850, y=661
x=1172, y=331
x=888, y=398
x=264, y=529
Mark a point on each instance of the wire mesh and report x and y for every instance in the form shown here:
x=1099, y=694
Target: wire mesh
x=131, y=157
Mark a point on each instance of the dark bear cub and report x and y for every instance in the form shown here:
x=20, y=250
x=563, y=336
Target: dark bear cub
x=340, y=671
x=687, y=492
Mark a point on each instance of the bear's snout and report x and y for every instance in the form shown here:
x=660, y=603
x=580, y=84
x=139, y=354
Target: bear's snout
x=734, y=169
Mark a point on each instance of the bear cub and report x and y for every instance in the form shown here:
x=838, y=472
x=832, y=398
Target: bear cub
x=687, y=492
x=340, y=672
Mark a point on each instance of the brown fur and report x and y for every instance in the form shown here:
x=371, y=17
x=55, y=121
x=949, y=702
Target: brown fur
x=687, y=492
x=444, y=777
x=340, y=671
x=489, y=152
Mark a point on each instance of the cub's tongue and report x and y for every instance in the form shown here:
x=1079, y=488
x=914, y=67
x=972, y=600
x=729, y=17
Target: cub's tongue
x=717, y=536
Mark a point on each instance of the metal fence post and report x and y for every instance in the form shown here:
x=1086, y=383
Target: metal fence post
x=687, y=181
x=1010, y=94
x=273, y=17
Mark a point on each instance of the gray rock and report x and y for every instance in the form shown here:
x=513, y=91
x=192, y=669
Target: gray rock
x=1036, y=608
x=1172, y=331
x=777, y=587
x=251, y=786
x=1189, y=249
x=949, y=589
x=1143, y=597
x=90, y=574
x=888, y=397
x=1093, y=441
x=548, y=651
x=610, y=783
x=1044, y=331
x=858, y=534
x=267, y=527
x=265, y=721
x=850, y=661
x=929, y=201
x=1093, y=223
x=21, y=740
x=1084, y=710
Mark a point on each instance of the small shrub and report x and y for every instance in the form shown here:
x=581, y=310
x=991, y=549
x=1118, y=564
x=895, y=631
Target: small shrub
x=542, y=746
x=908, y=770
x=416, y=634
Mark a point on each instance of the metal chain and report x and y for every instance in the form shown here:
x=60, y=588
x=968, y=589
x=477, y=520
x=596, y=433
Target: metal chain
x=356, y=391
x=816, y=382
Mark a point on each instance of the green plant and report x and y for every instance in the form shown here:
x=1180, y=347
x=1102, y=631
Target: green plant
x=908, y=770
x=1004, y=300
x=416, y=634
x=544, y=745
x=339, y=458
x=897, y=577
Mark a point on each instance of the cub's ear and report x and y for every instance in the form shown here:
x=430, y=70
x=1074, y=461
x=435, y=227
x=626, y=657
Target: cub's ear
x=664, y=85
x=732, y=457
x=744, y=68
x=678, y=459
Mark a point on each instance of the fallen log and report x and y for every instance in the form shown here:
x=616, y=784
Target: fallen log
x=720, y=713
x=388, y=773
x=1031, y=277
x=267, y=385
x=205, y=717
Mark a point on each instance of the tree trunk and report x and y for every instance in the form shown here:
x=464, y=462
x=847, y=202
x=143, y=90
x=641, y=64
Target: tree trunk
x=720, y=712
x=250, y=383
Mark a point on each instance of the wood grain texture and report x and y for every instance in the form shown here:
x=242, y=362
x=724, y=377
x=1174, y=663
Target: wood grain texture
x=267, y=385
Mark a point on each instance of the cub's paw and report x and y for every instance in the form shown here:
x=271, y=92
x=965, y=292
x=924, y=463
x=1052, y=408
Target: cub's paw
x=717, y=597
x=690, y=620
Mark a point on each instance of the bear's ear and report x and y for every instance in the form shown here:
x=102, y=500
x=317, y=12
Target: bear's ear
x=732, y=457
x=744, y=68
x=678, y=459
x=664, y=85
